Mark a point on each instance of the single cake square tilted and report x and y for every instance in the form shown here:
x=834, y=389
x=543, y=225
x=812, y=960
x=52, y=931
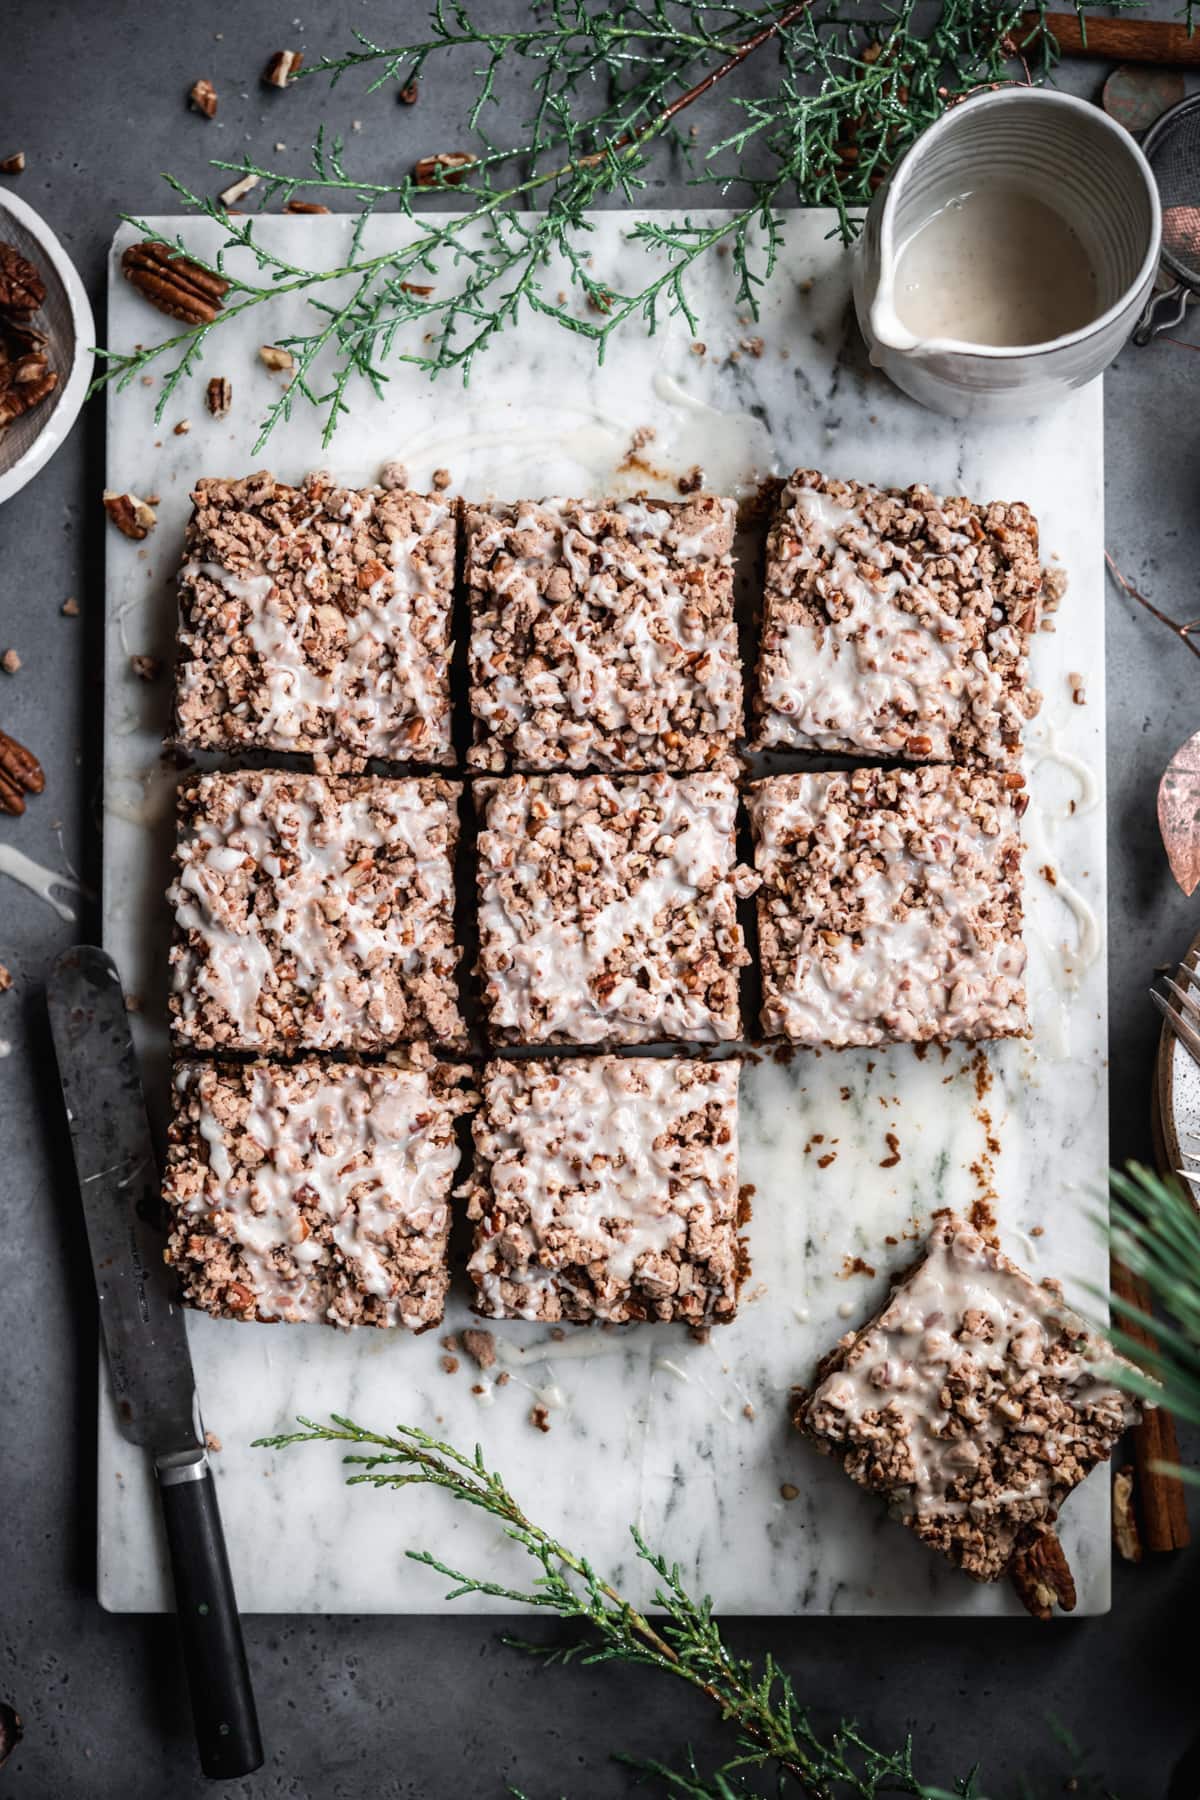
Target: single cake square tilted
x=316, y=619
x=314, y=912
x=606, y=1188
x=315, y=1191
x=602, y=635
x=974, y=1403
x=897, y=624
x=608, y=908
x=890, y=906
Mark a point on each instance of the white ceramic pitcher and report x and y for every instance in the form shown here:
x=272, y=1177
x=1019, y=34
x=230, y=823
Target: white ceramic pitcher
x=1061, y=151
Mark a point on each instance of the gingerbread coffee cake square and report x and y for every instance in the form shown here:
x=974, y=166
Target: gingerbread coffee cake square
x=314, y=1192
x=314, y=912
x=607, y=1188
x=316, y=619
x=602, y=634
x=974, y=1403
x=890, y=906
x=896, y=624
x=608, y=908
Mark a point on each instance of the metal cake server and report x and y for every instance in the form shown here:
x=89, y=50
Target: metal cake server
x=144, y=1335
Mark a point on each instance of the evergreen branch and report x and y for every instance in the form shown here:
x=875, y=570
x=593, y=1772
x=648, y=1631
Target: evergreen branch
x=1156, y=1234
x=771, y=1730
x=607, y=84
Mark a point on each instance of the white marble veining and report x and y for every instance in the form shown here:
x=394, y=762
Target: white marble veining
x=689, y=1440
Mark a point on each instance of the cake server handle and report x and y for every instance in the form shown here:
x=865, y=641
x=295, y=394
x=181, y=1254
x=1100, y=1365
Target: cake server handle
x=213, y=1652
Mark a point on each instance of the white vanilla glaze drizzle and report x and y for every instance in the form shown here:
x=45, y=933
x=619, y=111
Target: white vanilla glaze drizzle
x=871, y=661
x=607, y=1170
x=738, y=448
x=38, y=879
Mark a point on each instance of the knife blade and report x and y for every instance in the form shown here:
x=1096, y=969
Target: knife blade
x=146, y=1341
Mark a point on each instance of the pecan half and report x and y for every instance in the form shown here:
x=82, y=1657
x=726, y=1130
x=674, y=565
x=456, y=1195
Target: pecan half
x=20, y=774
x=175, y=285
x=202, y=97
x=22, y=289
x=1042, y=1575
x=218, y=396
x=130, y=515
x=446, y=169
x=282, y=66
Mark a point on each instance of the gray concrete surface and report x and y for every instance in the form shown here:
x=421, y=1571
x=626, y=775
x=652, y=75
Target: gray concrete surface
x=430, y=1708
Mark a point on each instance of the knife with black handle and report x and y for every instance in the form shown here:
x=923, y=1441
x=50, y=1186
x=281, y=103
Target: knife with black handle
x=151, y=1366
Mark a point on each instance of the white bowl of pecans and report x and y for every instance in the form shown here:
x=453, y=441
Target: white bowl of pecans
x=46, y=338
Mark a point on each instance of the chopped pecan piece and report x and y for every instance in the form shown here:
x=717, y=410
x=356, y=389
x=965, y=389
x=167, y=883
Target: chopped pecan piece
x=14, y=164
x=1126, y=1536
x=218, y=396
x=237, y=190
x=410, y=93
x=22, y=289
x=1042, y=1575
x=174, y=284
x=202, y=97
x=305, y=206
x=10, y=662
x=281, y=361
x=282, y=66
x=130, y=515
x=146, y=668
x=446, y=169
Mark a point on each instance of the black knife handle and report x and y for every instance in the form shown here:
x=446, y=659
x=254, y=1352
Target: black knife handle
x=213, y=1652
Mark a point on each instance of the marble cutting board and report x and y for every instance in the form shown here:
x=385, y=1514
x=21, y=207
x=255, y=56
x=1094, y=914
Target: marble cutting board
x=844, y=1151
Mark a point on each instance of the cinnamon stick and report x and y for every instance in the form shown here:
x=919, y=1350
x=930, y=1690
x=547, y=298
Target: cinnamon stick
x=1160, y=1496
x=1120, y=40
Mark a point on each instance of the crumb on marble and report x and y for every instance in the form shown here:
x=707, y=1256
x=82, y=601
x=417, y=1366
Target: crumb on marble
x=539, y=1415
x=480, y=1346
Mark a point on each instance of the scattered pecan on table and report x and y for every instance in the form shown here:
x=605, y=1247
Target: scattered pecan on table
x=20, y=774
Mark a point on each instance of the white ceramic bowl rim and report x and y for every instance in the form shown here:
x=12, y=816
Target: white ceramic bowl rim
x=60, y=422
x=1041, y=97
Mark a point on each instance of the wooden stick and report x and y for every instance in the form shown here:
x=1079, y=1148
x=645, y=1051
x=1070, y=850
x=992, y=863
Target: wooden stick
x=1120, y=40
x=1161, y=1498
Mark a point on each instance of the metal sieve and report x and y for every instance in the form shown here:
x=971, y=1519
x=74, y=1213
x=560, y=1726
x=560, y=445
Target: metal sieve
x=1172, y=148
